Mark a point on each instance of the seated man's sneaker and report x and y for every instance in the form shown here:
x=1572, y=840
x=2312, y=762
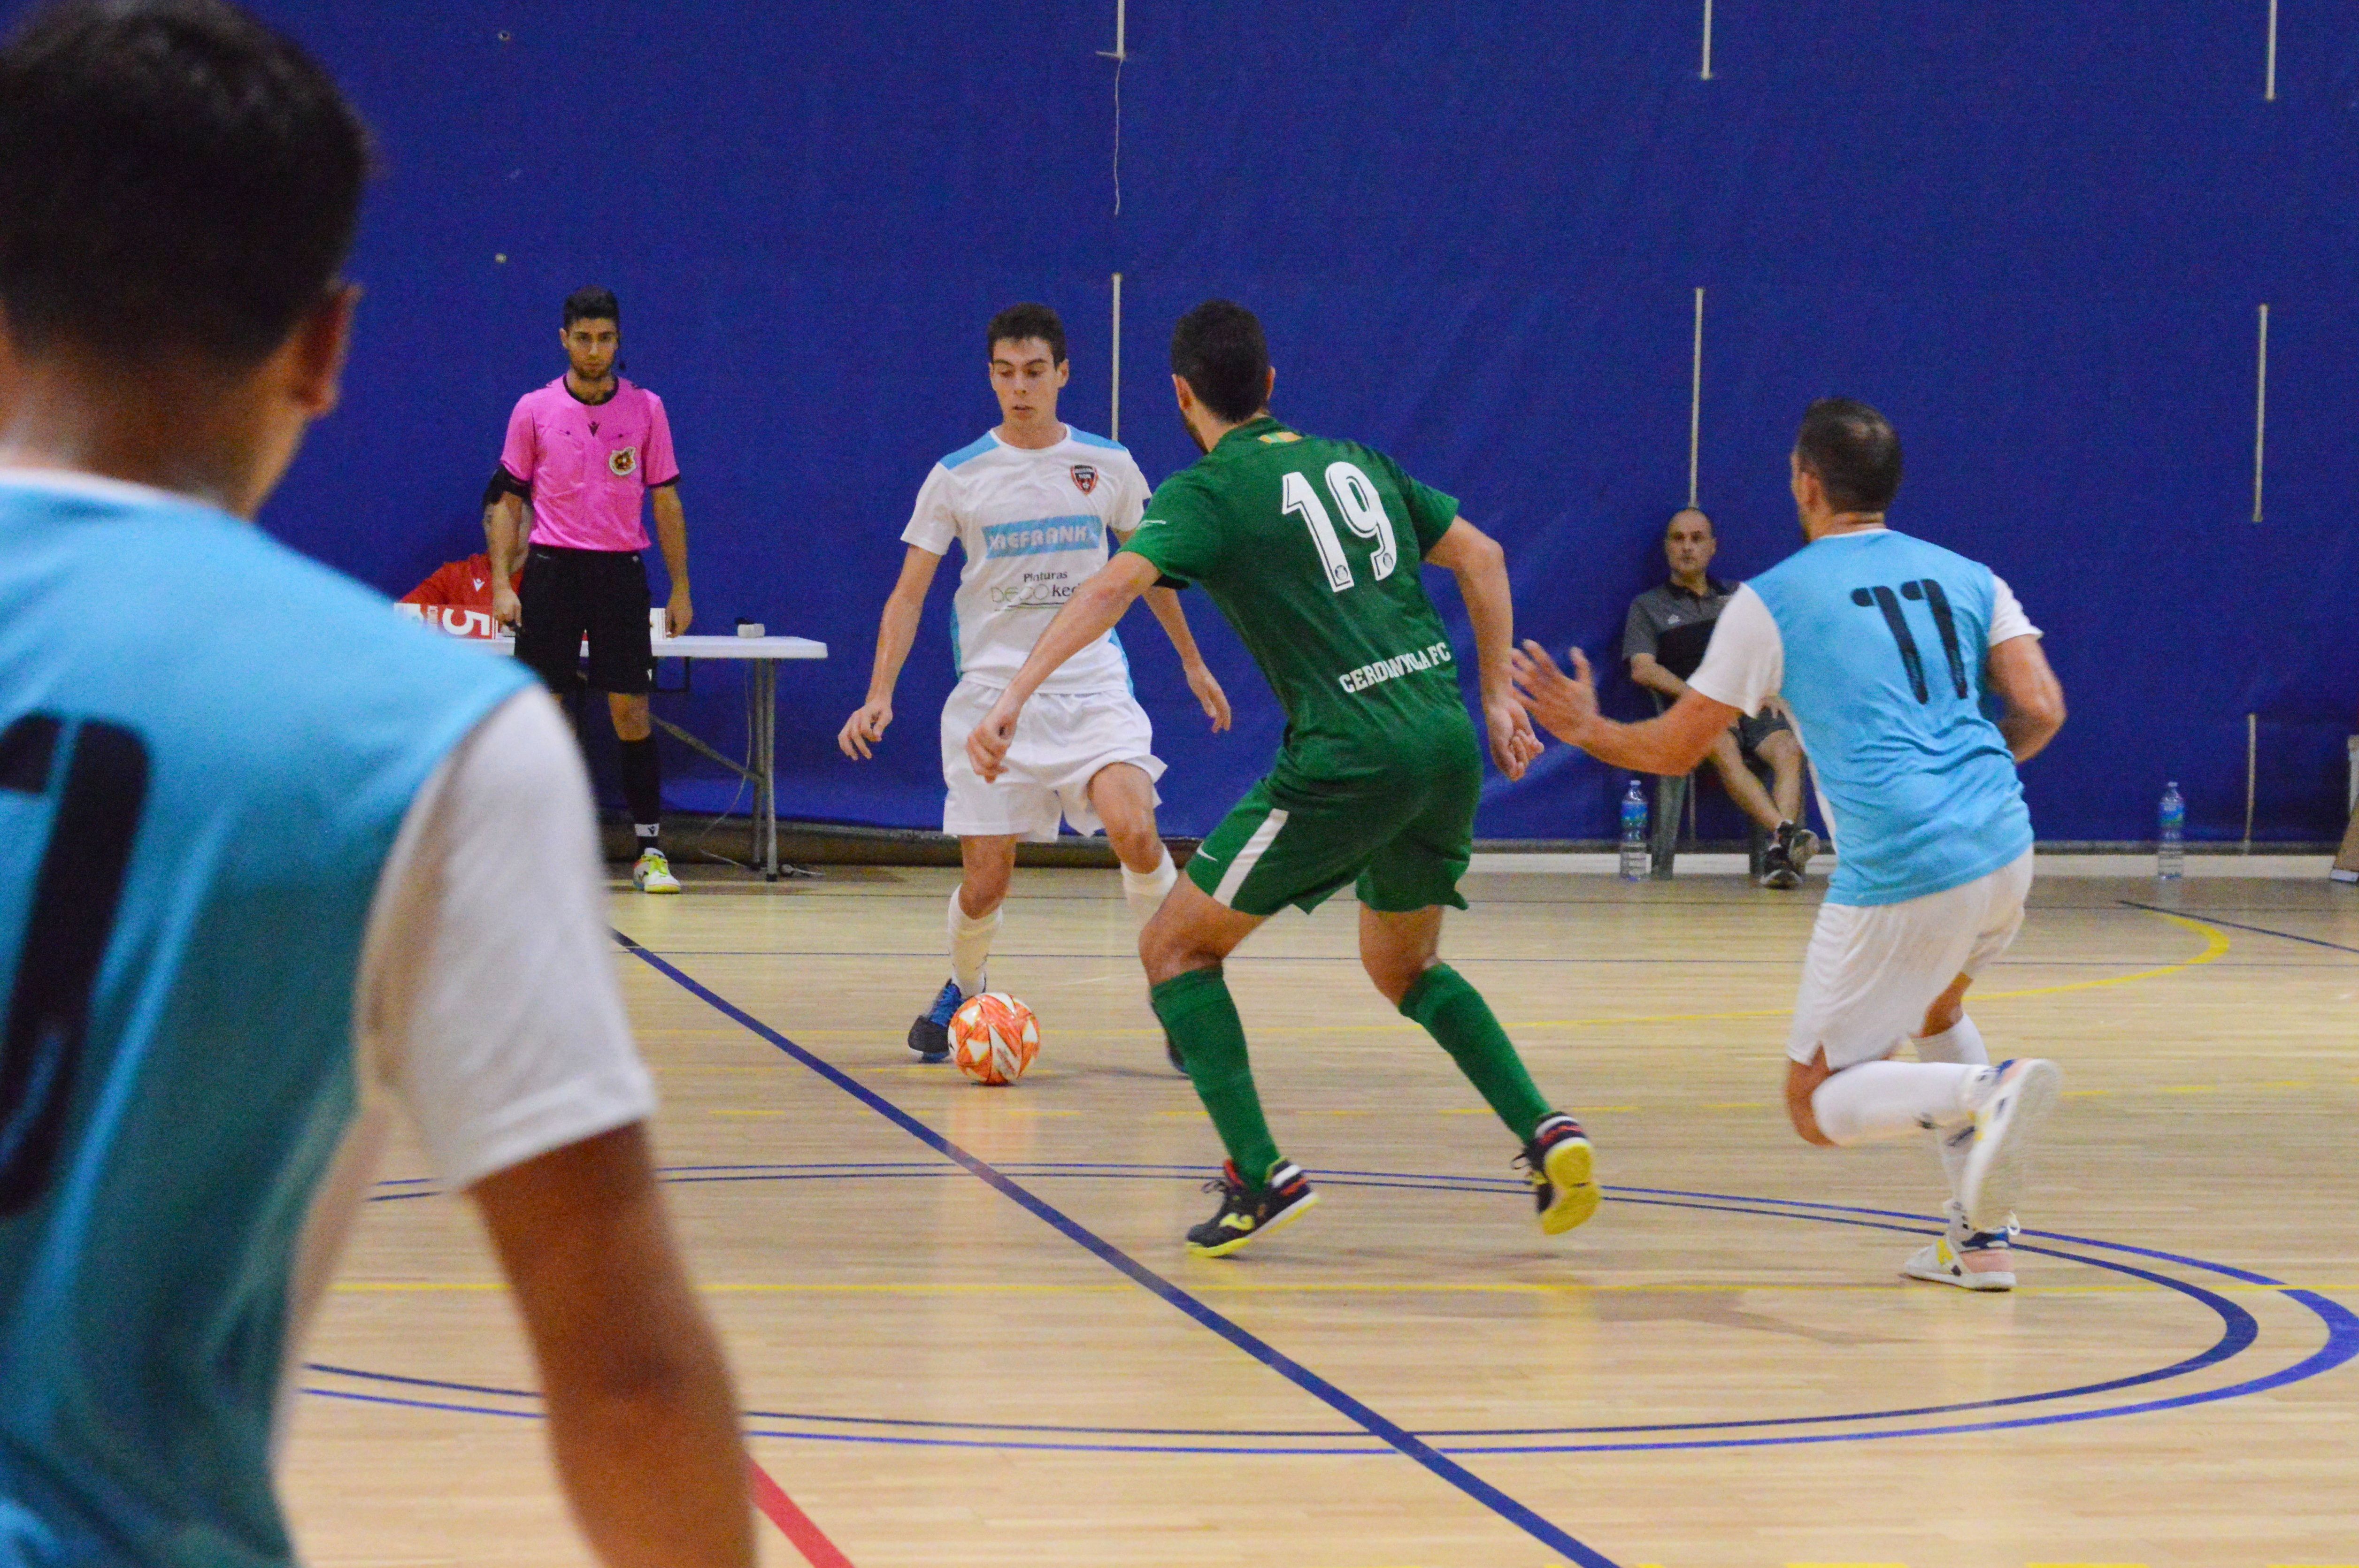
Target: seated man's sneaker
x=1248, y=1213
x=1799, y=844
x=1560, y=1166
x=1789, y=856
x=929, y=1036
x=653, y=874
x=1969, y=1259
x=2018, y=1099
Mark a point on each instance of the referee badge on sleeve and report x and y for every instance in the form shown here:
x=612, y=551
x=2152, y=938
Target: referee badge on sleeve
x=1085, y=477
x=622, y=462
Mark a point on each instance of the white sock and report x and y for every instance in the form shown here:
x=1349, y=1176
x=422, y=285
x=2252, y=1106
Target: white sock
x=1144, y=890
x=1886, y=1099
x=1961, y=1041
x=969, y=946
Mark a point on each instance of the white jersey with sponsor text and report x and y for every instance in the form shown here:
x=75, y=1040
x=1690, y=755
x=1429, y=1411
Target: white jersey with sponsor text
x=1033, y=526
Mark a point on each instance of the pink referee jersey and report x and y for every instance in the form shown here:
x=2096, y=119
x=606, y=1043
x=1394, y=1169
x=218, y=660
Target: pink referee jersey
x=590, y=464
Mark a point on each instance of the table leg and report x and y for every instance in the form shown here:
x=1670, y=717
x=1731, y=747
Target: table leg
x=766, y=678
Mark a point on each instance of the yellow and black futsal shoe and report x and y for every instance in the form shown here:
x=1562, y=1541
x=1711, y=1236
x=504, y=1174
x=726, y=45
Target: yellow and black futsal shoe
x=1558, y=1164
x=1248, y=1213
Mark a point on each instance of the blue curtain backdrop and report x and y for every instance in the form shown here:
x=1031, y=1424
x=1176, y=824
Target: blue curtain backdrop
x=2039, y=237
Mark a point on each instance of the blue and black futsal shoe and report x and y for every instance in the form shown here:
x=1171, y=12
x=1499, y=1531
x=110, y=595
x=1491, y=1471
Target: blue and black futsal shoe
x=1248, y=1213
x=1559, y=1163
x=929, y=1036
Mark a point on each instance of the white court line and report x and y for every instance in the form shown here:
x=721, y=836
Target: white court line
x=1707, y=39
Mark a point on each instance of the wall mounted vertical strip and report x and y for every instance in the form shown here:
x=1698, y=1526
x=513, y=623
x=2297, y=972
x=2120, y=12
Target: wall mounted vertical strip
x=1113, y=393
x=2270, y=87
x=1695, y=400
x=2260, y=413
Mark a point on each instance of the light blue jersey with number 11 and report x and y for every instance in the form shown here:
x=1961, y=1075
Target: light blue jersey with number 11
x=1877, y=643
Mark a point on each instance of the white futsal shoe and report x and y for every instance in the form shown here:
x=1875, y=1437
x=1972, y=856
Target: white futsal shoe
x=1969, y=1259
x=653, y=874
x=2021, y=1095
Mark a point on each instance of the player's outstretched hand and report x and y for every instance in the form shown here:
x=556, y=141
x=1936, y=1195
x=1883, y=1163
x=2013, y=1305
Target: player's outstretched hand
x=1564, y=705
x=986, y=747
x=864, y=729
x=1207, y=687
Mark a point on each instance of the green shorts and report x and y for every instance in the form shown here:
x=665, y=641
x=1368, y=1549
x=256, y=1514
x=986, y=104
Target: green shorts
x=1404, y=834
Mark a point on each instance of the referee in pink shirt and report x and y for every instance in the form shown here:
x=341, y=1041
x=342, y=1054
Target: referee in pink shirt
x=586, y=450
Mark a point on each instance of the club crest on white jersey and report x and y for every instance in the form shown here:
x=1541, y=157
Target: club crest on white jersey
x=1032, y=525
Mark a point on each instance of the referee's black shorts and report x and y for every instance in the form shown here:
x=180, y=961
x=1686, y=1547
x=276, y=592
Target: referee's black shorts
x=602, y=593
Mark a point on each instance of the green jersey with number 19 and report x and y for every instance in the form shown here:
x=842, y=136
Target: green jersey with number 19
x=1312, y=548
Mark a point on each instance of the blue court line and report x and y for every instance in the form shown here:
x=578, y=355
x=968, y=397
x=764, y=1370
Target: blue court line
x=1301, y=1376
x=2239, y=1332
x=2239, y=925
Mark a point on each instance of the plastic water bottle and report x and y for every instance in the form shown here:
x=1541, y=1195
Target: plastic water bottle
x=1634, y=832
x=2171, y=844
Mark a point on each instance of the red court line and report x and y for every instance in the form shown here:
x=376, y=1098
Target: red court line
x=797, y=1526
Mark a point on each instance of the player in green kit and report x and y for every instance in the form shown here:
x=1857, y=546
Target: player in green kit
x=1312, y=548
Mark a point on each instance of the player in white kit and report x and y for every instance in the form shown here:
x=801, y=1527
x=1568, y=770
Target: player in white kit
x=1030, y=505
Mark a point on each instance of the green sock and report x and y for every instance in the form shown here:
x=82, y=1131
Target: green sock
x=1197, y=1011
x=1454, y=1013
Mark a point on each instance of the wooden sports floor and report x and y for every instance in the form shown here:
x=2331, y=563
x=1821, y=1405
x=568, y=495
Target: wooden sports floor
x=967, y=1332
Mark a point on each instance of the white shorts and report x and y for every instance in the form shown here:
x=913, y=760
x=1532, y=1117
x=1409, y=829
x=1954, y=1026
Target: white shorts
x=1062, y=743
x=1871, y=973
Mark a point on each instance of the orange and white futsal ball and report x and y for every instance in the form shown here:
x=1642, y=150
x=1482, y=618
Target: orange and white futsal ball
x=993, y=1038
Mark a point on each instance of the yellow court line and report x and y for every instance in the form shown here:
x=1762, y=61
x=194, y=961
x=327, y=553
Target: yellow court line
x=1328, y=1287
x=2215, y=945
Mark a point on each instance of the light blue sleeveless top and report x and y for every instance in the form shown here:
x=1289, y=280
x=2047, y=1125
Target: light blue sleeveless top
x=1885, y=638
x=207, y=747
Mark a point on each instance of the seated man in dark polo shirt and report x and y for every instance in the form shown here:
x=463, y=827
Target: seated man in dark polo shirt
x=1663, y=642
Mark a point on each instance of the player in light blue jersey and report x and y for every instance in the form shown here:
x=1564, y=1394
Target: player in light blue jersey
x=1883, y=647
x=292, y=862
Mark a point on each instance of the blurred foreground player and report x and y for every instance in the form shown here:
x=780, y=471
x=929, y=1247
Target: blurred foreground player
x=586, y=450
x=1030, y=507
x=1376, y=784
x=291, y=866
x=1882, y=646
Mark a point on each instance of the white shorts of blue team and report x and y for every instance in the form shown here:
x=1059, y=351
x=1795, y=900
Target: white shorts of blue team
x=1871, y=971
x=1062, y=742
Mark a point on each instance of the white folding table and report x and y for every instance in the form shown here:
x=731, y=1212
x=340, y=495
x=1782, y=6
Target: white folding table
x=762, y=656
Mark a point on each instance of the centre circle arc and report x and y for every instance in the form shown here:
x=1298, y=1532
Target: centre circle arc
x=2240, y=1332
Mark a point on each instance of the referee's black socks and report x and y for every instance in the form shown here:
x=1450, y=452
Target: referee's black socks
x=642, y=791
